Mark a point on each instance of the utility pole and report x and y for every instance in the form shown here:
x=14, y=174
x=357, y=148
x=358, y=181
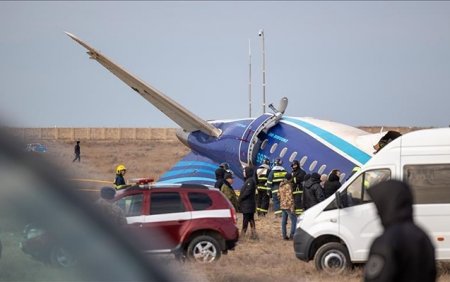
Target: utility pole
x=261, y=34
x=249, y=80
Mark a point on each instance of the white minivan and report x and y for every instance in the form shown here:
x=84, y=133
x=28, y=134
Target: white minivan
x=338, y=231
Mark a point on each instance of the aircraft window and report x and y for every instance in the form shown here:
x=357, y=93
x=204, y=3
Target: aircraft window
x=273, y=148
x=283, y=152
x=264, y=144
x=313, y=165
x=292, y=157
x=342, y=178
x=303, y=160
x=321, y=169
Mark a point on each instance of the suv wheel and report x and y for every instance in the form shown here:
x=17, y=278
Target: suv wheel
x=61, y=258
x=332, y=258
x=204, y=249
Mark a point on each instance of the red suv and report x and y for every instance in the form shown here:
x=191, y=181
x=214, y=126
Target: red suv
x=194, y=221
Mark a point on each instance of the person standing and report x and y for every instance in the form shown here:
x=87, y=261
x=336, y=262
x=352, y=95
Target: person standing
x=119, y=181
x=312, y=191
x=263, y=192
x=332, y=184
x=404, y=251
x=287, y=207
x=107, y=207
x=228, y=190
x=247, y=202
x=276, y=175
x=298, y=176
x=220, y=172
x=77, y=151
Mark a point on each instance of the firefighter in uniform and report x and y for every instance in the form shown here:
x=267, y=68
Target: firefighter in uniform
x=119, y=182
x=298, y=176
x=263, y=192
x=276, y=175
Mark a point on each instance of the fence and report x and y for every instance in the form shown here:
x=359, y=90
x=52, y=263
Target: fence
x=94, y=133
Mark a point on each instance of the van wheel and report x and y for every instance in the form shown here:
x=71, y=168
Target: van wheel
x=204, y=249
x=332, y=258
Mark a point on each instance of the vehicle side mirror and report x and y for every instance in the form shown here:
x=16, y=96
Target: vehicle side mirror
x=338, y=201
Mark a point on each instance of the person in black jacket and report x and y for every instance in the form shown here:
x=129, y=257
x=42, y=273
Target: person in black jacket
x=312, y=191
x=77, y=151
x=247, y=202
x=403, y=252
x=332, y=184
x=220, y=173
x=298, y=176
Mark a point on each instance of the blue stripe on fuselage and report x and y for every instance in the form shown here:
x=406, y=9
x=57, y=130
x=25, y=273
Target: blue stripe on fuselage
x=188, y=171
x=195, y=163
x=334, y=140
x=188, y=179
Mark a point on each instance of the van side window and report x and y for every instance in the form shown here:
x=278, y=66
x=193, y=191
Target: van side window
x=429, y=183
x=356, y=194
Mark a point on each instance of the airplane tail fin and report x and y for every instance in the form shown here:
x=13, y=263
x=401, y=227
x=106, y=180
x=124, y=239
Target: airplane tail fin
x=176, y=112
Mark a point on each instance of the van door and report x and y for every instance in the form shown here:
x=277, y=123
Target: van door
x=358, y=219
x=430, y=184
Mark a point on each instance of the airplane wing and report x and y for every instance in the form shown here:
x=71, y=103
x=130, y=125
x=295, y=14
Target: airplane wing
x=194, y=168
x=179, y=114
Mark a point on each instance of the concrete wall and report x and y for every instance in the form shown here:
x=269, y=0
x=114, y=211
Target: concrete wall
x=94, y=133
x=106, y=133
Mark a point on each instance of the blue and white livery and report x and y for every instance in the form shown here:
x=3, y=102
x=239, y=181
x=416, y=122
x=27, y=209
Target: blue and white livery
x=319, y=145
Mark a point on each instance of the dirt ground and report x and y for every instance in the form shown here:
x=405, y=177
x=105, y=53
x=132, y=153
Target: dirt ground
x=267, y=259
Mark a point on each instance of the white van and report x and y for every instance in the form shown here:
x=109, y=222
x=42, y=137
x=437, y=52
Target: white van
x=338, y=231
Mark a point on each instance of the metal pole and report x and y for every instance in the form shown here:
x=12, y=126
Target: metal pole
x=261, y=33
x=249, y=80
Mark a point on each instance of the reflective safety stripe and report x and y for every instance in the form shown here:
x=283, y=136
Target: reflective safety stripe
x=280, y=174
x=269, y=182
x=297, y=192
x=262, y=178
x=262, y=210
x=278, y=212
x=274, y=191
x=277, y=180
x=263, y=188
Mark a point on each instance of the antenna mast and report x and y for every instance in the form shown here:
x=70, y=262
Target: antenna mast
x=261, y=34
x=249, y=80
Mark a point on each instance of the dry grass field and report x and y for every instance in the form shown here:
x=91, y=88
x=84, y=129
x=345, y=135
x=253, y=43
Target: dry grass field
x=267, y=259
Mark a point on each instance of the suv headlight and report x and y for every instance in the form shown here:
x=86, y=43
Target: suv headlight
x=33, y=233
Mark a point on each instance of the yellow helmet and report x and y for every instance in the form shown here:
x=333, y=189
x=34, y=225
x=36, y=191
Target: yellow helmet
x=119, y=168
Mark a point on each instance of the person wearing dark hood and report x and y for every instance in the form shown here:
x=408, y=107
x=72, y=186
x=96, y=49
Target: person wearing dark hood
x=403, y=252
x=228, y=190
x=220, y=173
x=312, y=191
x=298, y=176
x=247, y=202
x=332, y=184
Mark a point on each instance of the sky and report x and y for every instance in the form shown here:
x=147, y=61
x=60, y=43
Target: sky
x=358, y=63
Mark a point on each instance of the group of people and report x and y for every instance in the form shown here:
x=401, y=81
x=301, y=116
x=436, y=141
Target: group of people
x=291, y=192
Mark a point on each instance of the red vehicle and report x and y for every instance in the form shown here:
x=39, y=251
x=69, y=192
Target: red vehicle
x=194, y=221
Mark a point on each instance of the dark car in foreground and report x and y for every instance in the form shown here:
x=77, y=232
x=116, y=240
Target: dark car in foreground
x=34, y=190
x=194, y=221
